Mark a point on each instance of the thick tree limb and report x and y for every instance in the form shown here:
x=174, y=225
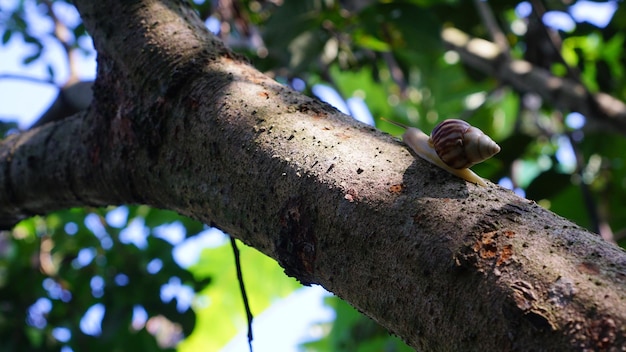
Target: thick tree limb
x=178, y=122
x=602, y=110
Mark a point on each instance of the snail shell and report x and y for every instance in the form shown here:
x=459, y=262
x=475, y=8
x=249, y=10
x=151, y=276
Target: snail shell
x=460, y=145
x=454, y=146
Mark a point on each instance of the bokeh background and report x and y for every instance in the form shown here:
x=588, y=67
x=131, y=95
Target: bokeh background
x=132, y=277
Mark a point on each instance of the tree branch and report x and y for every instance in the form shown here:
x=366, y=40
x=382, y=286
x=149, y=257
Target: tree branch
x=443, y=264
x=492, y=26
x=602, y=110
x=62, y=34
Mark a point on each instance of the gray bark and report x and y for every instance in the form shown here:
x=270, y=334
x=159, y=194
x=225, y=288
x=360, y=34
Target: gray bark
x=179, y=122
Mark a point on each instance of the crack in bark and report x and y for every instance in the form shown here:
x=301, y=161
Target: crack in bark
x=296, y=244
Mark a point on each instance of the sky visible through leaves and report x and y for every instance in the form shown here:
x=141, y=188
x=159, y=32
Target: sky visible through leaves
x=25, y=101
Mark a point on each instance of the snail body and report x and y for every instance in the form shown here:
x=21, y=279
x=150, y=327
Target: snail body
x=454, y=145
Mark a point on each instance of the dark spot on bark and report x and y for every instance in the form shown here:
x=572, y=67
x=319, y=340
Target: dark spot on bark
x=538, y=320
x=588, y=268
x=32, y=161
x=296, y=246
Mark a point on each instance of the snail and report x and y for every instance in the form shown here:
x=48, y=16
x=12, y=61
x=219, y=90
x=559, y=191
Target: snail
x=454, y=145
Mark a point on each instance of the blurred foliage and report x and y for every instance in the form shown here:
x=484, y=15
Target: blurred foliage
x=54, y=269
x=353, y=332
x=222, y=315
x=386, y=53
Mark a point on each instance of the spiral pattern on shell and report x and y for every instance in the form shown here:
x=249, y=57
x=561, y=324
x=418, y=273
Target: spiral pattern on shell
x=461, y=145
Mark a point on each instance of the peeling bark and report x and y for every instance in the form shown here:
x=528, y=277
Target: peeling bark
x=179, y=122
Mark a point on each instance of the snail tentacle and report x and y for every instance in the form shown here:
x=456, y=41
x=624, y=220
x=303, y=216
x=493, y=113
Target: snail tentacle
x=420, y=143
x=454, y=146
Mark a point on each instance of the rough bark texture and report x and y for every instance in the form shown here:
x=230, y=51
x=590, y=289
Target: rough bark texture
x=178, y=122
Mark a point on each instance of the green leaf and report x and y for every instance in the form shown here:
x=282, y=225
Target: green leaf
x=30, y=59
x=570, y=204
x=223, y=314
x=6, y=36
x=403, y=26
x=548, y=185
x=362, y=83
x=370, y=42
x=18, y=21
x=50, y=70
x=302, y=50
x=432, y=2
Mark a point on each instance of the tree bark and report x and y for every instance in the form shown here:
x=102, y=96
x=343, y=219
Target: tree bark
x=180, y=122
